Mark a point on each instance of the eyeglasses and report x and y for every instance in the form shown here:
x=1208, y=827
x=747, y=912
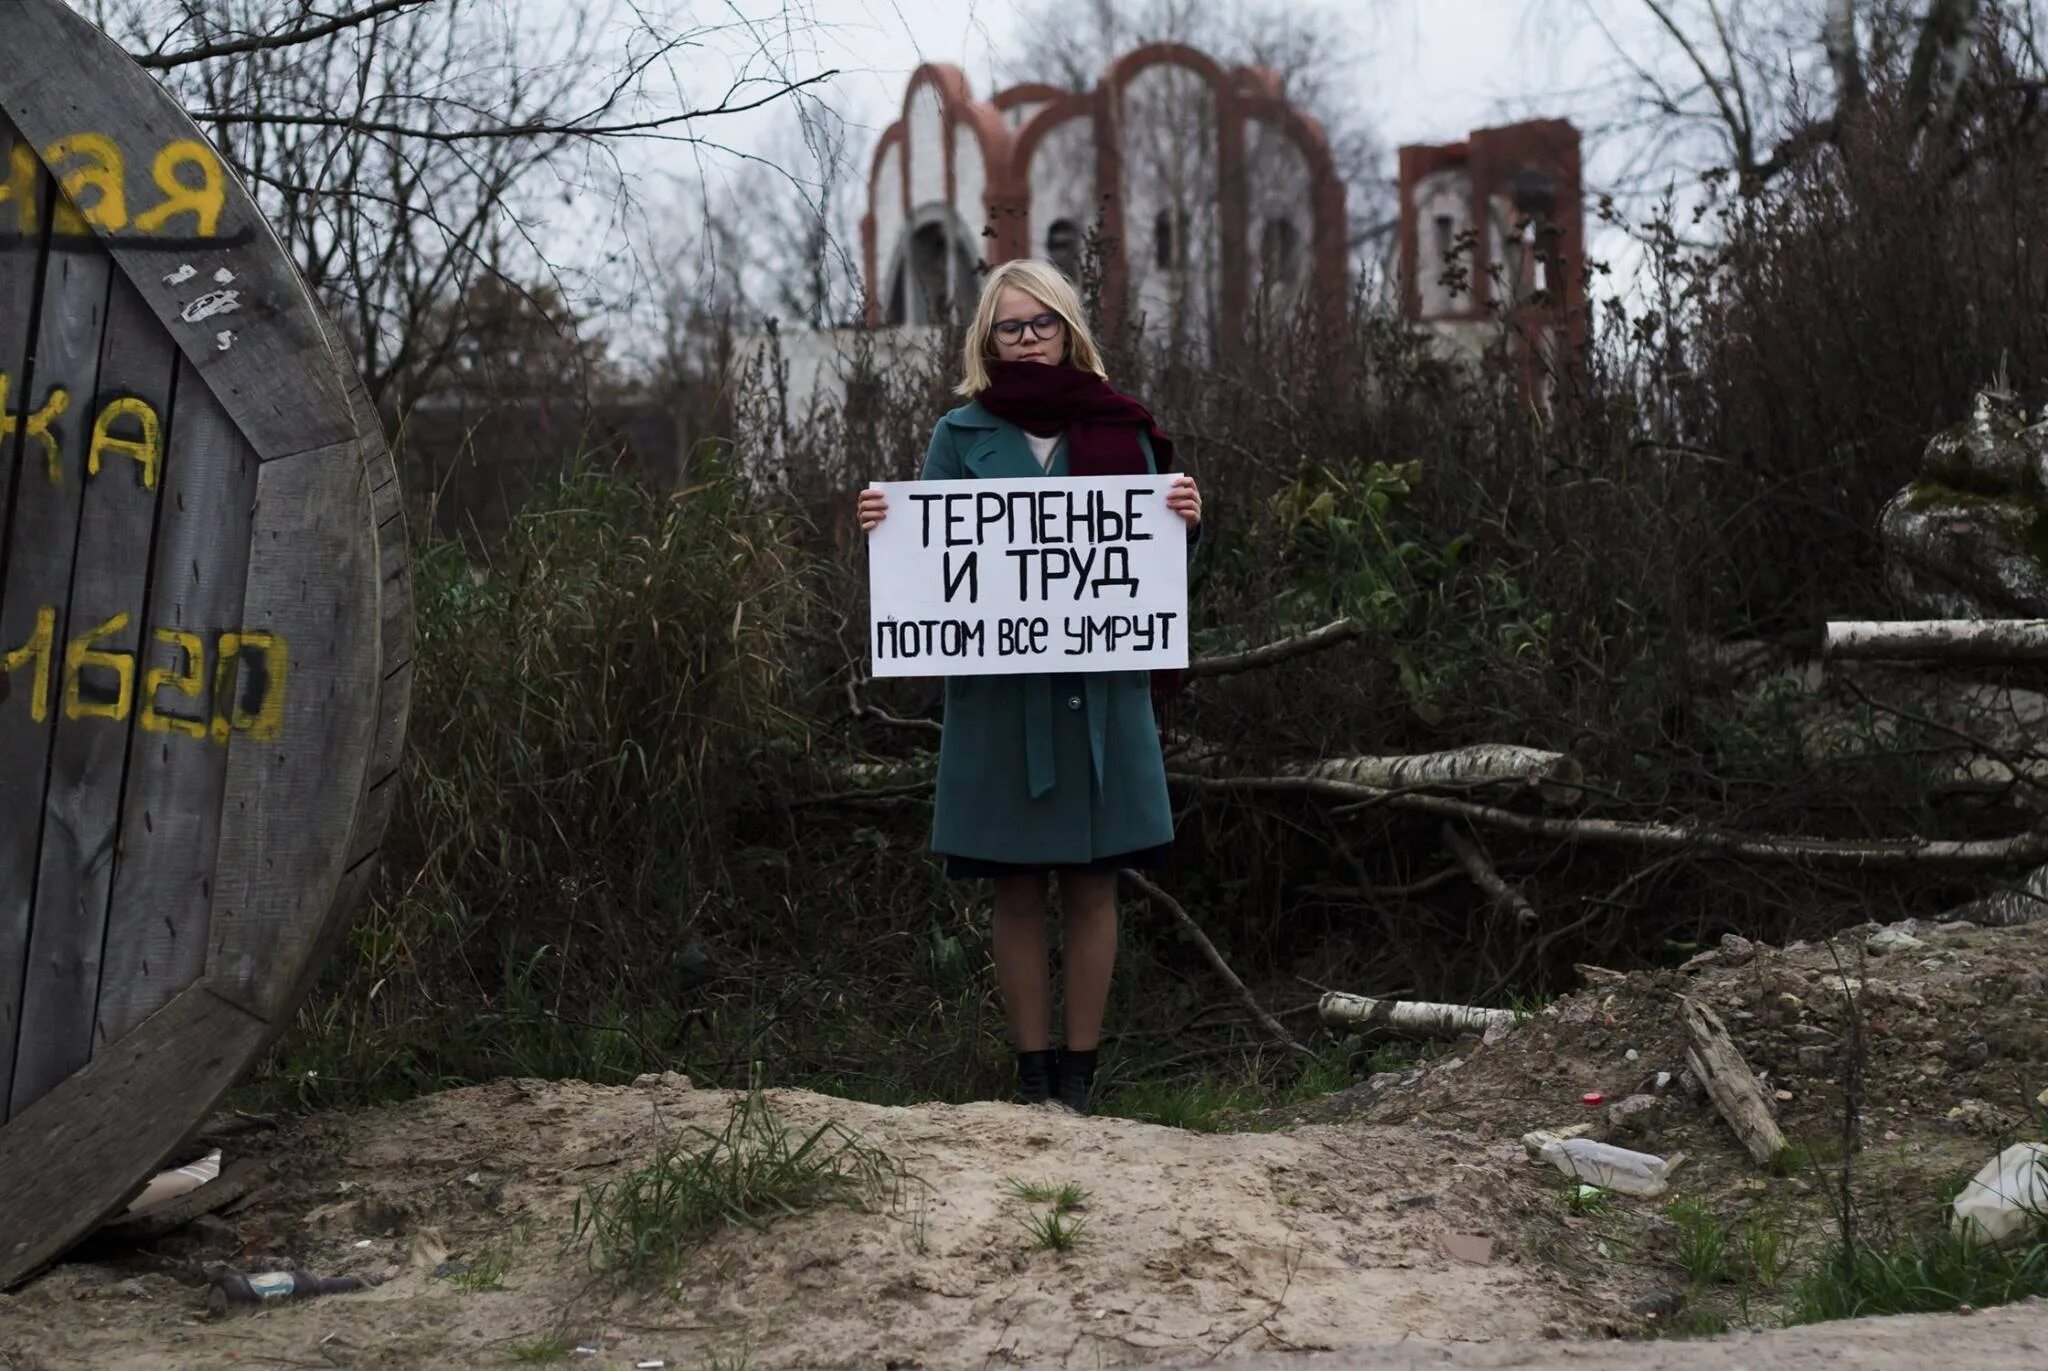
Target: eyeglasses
x=1045, y=326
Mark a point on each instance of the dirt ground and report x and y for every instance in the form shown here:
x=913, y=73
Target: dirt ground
x=1400, y=1219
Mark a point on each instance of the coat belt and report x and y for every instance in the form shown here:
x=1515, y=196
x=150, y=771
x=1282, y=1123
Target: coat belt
x=1040, y=761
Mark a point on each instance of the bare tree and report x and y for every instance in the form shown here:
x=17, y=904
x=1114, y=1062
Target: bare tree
x=1316, y=56
x=407, y=149
x=1769, y=84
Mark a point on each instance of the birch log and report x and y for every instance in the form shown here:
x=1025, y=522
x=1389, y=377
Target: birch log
x=1411, y=1016
x=1729, y=1082
x=1947, y=640
x=1552, y=775
x=2023, y=903
x=1556, y=777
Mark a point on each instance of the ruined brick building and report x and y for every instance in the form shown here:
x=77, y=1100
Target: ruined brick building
x=1214, y=196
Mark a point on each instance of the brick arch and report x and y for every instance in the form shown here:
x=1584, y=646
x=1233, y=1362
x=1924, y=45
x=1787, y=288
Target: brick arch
x=893, y=136
x=1028, y=93
x=959, y=108
x=1260, y=81
x=1232, y=259
x=1068, y=106
x=1329, y=219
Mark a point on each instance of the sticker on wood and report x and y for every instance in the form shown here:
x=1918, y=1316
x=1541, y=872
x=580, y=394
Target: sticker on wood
x=204, y=619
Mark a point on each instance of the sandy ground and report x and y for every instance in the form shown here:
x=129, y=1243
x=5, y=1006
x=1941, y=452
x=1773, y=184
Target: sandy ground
x=1399, y=1219
x=1991, y=1340
x=1218, y=1245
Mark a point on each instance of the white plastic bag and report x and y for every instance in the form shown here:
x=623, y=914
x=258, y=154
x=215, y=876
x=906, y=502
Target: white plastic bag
x=1607, y=1166
x=2009, y=1196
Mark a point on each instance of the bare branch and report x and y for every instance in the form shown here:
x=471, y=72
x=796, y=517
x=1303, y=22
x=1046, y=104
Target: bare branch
x=1741, y=136
x=269, y=42
x=1285, y=649
x=1215, y=958
x=1480, y=868
x=2020, y=849
x=540, y=129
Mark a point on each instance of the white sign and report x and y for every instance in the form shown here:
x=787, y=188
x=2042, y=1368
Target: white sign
x=995, y=577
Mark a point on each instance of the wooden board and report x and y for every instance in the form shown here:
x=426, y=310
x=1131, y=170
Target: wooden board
x=292, y=800
x=106, y=606
x=202, y=572
x=170, y=825
x=21, y=259
x=37, y=629
x=143, y=1093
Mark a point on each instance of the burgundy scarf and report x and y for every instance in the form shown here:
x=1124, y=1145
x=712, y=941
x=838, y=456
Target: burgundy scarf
x=1102, y=426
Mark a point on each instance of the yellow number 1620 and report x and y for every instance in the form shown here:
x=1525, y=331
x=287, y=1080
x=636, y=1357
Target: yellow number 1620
x=247, y=679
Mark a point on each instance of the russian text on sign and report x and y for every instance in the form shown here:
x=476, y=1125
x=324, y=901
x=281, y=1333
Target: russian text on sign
x=995, y=577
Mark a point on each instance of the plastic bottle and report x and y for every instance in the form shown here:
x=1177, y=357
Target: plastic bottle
x=1607, y=1166
x=231, y=1288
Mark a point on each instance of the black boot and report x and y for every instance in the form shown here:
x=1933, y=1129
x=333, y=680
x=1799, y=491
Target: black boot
x=1035, y=1076
x=1076, y=1078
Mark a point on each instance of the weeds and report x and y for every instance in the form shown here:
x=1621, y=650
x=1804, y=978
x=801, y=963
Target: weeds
x=1064, y=1197
x=1054, y=1231
x=485, y=1271
x=1928, y=1270
x=1702, y=1241
x=645, y=1225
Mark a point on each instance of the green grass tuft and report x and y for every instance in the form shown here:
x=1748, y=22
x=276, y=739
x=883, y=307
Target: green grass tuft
x=1929, y=1271
x=646, y=1225
x=1054, y=1231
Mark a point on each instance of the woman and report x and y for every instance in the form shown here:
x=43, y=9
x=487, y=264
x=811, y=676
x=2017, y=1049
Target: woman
x=1057, y=772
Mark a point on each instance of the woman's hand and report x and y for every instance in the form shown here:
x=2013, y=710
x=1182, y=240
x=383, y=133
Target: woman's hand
x=1185, y=500
x=873, y=509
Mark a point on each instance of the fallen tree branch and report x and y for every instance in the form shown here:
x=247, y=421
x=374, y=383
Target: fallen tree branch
x=1411, y=1016
x=2029, y=849
x=1729, y=1082
x=1329, y=635
x=863, y=710
x=1201, y=940
x=1477, y=865
x=1946, y=640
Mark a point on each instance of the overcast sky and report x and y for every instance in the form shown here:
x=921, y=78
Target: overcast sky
x=1426, y=71
x=1431, y=69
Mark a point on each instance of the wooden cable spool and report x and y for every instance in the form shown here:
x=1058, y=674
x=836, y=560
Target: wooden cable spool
x=204, y=631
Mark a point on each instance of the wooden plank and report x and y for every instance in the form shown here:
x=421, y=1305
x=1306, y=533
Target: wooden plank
x=107, y=606
x=20, y=255
x=394, y=691
x=213, y=272
x=34, y=611
x=83, y=1149
x=394, y=697
x=170, y=825
x=20, y=268
x=292, y=799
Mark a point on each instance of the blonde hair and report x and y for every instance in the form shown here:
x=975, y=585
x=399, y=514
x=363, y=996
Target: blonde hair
x=1045, y=283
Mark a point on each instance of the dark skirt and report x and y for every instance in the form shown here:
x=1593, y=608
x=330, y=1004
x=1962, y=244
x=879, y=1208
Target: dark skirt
x=970, y=868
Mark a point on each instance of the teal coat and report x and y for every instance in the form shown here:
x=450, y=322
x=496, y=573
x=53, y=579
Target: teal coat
x=1052, y=769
